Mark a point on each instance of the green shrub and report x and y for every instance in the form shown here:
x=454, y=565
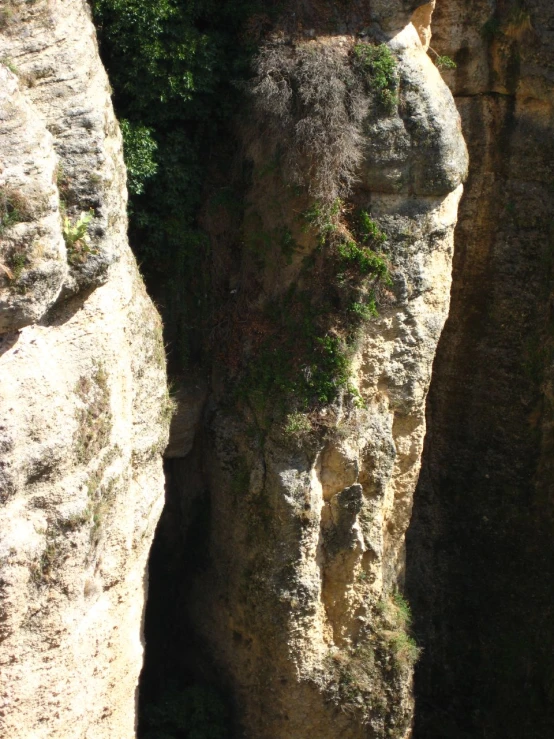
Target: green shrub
x=445, y=62
x=18, y=262
x=366, y=310
x=369, y=230
x=379, y=67
x=297, y=424
x=172, y=65
x=324, y=217
x=367, y=261
x=75, y=232
x=139, y=148
x=397, y=613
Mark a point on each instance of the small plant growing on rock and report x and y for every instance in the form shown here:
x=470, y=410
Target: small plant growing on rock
x=76, y=237
x=94, y=419
x=397, y=621
x=445, y=62
x=379, y=68
x=14, y=208
x=297, y=424
x=17, y=262
x=442, y=61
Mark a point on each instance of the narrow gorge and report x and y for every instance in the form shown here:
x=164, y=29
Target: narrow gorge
x=289, y=477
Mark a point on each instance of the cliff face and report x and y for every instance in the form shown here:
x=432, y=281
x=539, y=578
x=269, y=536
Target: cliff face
x=295, y=598
x=82, y=390
x=480, y=545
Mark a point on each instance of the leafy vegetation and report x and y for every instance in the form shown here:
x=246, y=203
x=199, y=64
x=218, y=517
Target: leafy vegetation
x=379, y=67
x=445, y=62
x=397, y=616
x=18, y=262
x=172, y=66
x=303, y=359
x=76, y=237
x=139, y=148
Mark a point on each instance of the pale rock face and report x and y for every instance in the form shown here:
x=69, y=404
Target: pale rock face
x=82, y=393
x=308, y=542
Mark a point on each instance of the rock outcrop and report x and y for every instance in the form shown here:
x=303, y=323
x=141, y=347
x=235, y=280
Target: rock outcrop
x=83, y=401
x=297, y=600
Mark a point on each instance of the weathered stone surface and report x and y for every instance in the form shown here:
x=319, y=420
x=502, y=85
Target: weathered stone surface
x=82, y=395
x=32, y=250
x=480, y=555
x=69, y=93
x=420, y=149
x=189, y=403
x=307, y=540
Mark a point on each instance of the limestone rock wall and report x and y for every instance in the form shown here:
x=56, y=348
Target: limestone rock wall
x=296, y=604
x=83, y=399
x=480, y=547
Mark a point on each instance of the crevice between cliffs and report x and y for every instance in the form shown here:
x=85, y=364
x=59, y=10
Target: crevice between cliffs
x=480, y=552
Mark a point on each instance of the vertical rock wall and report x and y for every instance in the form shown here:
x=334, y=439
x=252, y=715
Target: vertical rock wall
x=306, y=545
x=83, y=400
x=480, y=547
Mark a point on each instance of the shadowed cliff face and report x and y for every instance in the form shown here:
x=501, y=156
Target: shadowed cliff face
x=294, y=600
x=480, y=548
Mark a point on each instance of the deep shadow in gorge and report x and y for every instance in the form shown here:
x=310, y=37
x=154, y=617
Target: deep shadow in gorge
x=179, y=683
x=480, y=549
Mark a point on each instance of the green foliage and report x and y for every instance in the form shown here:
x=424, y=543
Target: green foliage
x=76, y=238
x=366, y=260
x=405, y=649
x=379, y=66
x=298, y=363
x=445, y=62
x=404, y=612
x=288, y=244
x=323, y=217
x=172, y=65
x=297, y=424
x=367, y=310
x=18, y=262
x=7, y=62
x=74, y=232
x=195, y=712
x=304, y=360
x=139, y=149
x=396, y=610
x=369, y=230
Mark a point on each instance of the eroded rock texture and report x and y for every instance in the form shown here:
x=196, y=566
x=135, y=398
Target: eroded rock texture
x=294, y=600
x=82, y=391
x=480, y=549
